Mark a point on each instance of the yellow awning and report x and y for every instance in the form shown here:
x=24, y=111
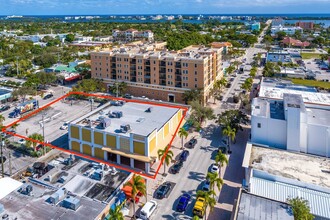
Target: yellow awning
x=128, y=154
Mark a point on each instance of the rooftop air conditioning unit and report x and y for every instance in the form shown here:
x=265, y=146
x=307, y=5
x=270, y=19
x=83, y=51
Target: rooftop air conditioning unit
x=125, y=128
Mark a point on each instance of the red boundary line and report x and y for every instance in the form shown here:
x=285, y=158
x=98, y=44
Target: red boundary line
x=185, y=109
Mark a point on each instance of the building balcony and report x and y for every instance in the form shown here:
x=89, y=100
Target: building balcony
x=178, y=85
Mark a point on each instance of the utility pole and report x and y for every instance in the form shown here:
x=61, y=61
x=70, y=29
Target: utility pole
x=116, y=89
x=92, y=102
x=10, y=169
x=43, y=132
x=1, y=156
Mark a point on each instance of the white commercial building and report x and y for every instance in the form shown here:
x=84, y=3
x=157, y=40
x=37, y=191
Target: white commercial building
x=287, y=30
x=295, y=118
x=280, y=175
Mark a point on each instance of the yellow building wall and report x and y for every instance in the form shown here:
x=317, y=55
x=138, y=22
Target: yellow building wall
x=152, y=145
x=87, y=149
x=179, y=114
x=160, y=135
x=111, y=141
x=98, y=153
x=75, y=146
x=74, y=132
x=166, y=129
x=86, y=135
x=139, y=148
x=98, y=138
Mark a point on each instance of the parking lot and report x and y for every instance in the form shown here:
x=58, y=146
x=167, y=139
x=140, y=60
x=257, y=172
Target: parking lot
x=320, y=74
x=53, y=118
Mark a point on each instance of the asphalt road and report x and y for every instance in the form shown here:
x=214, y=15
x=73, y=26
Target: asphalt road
x=192, y=175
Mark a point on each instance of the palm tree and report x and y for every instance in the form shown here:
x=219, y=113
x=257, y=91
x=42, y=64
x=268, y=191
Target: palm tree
x=195, y=217
x=209, y=198
x=191, y=95
x=221, y=159
x=168, y=156
x=215, y=180
x=230, y=133
x=200, y=113
x=2, y=119
x=116, y=214
x=14, y=126
x=137, y=185
x=182, y=134
x=34, y=136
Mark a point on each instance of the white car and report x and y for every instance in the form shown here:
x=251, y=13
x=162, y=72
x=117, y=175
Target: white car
x=21, y=141
x=148, y=209
x=65, y=126
x=214, y=168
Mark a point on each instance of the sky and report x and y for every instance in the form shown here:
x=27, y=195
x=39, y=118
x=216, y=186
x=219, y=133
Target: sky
x=107, y=7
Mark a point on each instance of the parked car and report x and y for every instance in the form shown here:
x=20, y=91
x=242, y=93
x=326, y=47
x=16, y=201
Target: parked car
x=48, y=96
x=206, y=186
x=192, y=143
x=183, y=202
x=163, y=190
x=21, y=141
x=148, y=209
x=128, y=96
x=65, y=126
x=176, y=167
x=214, y=168
x=4, y=108
x=184, y=155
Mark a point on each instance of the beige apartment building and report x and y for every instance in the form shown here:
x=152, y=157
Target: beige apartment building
x=152, y=71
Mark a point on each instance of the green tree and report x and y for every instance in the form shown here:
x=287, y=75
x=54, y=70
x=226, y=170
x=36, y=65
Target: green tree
x=280, y=35
x=89, y=85
x=122, y=88
x=168, y=156
x=34, y=136
x=192, y=95
x=116, y=214
x=23, y=91
x=2, y=119
x=271, y=69
x=209, y=199
x=300, y=208
x=215, y=180
x=137, y=185
x=233, y=118
x=221, y=159
x=182, y=134
x=230, y=133
x=69, y=38
x=230, y=69
x=200, y=113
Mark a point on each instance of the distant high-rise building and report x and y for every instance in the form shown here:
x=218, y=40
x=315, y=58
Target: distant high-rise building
x=305, y=25
x=152, y=71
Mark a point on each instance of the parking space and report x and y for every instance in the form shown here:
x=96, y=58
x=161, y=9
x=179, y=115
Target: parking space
x=320, y=74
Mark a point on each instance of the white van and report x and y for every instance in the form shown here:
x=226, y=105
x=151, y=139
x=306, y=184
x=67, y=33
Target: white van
x=148, y=209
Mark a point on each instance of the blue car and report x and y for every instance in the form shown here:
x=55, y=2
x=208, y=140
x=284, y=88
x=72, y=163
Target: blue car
x=183, y=202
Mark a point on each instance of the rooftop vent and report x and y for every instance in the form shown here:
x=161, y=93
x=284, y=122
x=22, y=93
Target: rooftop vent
x=149, y=109
x=116, y=114
x=140, y=119
x=105, y=122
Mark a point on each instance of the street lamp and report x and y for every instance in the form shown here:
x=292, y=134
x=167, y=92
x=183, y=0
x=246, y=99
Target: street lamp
x=43, y=130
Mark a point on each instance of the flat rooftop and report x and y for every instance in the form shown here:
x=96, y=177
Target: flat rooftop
x=260, y=208
x=35, y=207
x=136, y=115
x=301, y=167
x=275, y=88
x=268, y=108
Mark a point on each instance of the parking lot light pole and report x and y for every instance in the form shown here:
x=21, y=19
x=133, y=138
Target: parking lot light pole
x=43, y=132
x=1, y=156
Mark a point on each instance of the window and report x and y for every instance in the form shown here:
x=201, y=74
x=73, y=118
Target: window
x=195, y=79
x=195, y=65
x=259, y=125
x=195, y=72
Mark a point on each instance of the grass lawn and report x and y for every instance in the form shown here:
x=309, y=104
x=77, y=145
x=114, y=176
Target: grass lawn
x=314, y=83
x=310, y=55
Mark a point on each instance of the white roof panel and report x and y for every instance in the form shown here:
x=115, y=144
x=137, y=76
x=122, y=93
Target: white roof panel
x=7, y=185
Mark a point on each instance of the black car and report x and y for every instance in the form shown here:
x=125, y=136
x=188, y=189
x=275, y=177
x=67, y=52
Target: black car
x=192, y=143
x=176, y=167
x=4, y=108
x=48, y=96
x=163, y=190
x=184, y=155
